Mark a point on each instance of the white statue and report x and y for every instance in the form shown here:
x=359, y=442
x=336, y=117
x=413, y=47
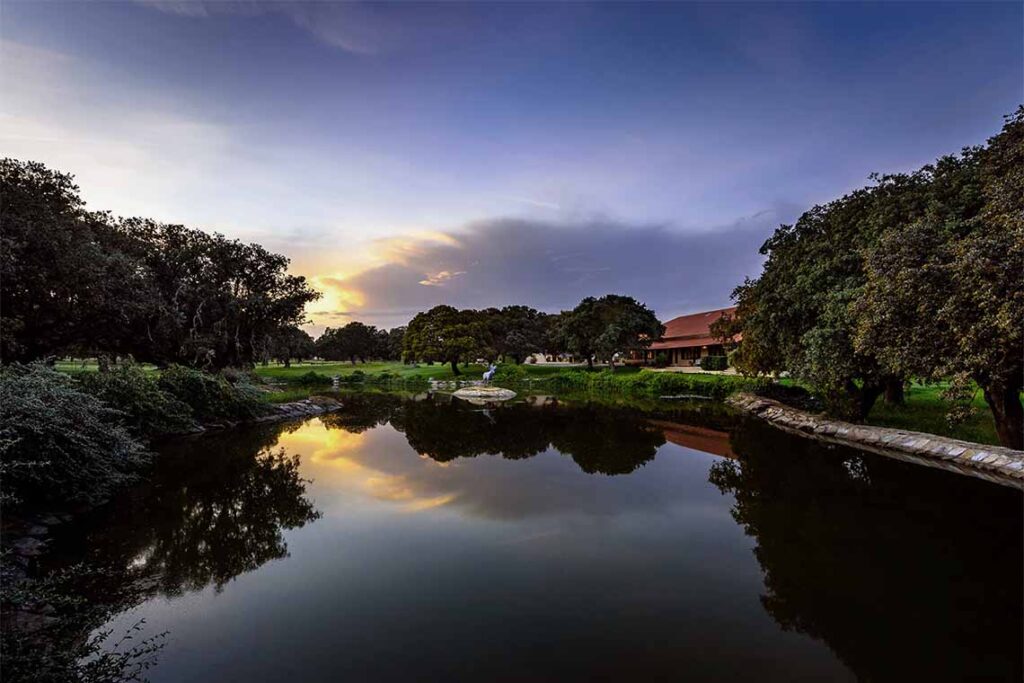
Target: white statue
x=490, y=372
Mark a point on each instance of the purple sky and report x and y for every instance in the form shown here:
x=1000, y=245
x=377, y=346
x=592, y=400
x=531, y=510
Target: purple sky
x=409, y=154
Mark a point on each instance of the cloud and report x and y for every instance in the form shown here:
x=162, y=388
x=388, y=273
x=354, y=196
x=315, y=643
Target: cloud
x=354, y=27
x=551, y=266
x=440, y=277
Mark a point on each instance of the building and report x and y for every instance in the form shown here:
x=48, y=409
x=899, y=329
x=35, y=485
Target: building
x=688, y=338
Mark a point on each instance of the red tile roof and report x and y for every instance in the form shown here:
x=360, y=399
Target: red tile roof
x=692, y=330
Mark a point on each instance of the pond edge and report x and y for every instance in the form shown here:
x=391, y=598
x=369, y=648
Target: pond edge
x=996, y=464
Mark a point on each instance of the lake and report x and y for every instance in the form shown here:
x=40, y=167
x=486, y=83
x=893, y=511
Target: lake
x=433, y=540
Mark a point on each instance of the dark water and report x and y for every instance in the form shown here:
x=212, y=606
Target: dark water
x=423, y=541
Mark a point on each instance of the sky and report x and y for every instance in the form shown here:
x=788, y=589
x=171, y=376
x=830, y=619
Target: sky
x=405, y=155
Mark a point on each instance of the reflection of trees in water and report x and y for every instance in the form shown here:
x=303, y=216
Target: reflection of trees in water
x=215, y=507
x=599, y=439
x=363, y=411
x=907, y=573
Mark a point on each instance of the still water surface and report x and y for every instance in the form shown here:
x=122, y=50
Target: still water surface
x=429, y=540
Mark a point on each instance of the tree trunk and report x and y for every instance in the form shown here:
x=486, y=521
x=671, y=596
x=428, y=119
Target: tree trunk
x=894, y=391
x=1004, y=401
x=869, y=394
x=858, y=401
x=590, y=362
x=455, y=367
x=352, y=359
x=287, y=361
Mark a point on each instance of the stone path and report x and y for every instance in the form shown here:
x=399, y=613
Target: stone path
x=993, y=463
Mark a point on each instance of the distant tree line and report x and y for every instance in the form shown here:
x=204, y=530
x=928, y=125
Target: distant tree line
x=597, y=328
x=89, y=283
x=360, y=342
x=918, y=276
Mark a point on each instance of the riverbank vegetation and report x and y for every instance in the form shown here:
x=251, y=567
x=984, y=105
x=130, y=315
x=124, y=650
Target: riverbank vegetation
x=916, y=276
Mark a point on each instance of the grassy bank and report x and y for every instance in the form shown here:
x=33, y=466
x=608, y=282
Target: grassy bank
x=925, y=411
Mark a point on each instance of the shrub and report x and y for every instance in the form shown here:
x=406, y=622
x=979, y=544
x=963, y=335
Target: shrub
x=239, y=376
x=146, y=409
x=653, y=384
x=714, y=363
x=509, y=372
x=313, y=379
x=661, y=360
x=212, y=397
x=58, y=442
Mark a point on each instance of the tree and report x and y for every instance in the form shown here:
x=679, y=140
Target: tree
x=396, y=337
x=518, y=331
x=798, y=316
x=75, y=280
x=448, y=335
x=609, y=325
x=61, y=286
x=218, y=299
x=289, y=342
x=945, y=294
x=355, y=341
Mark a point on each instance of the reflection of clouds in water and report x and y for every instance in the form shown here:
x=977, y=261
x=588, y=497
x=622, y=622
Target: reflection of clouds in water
x=345, y=461
x=379, y=465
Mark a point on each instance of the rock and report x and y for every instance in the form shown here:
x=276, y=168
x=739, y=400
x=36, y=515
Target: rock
x=485, y=393
x=28, y=547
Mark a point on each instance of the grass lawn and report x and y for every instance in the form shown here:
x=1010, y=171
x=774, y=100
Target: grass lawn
x=436, y=371
x=925, y=411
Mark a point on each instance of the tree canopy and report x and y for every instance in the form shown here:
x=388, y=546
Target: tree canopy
x=448, y=335
x=88, y=282
x=917, y=275
x=609, y=325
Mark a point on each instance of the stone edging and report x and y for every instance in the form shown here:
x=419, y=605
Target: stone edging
x=992, y=463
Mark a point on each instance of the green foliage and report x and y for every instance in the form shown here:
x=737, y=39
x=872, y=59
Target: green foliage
x=211, y=397
x=58, y=442
x=312, y=379
x=915, y=275
x=944, y=296
x=287, y=343
x=449, y=335
x=147, y=410
x=517, y=331
x=80, y=281
x=509, y=373
x=654, y=384
x=661, y=360
x=606, y=326
x=355, y=341
x=714, y=363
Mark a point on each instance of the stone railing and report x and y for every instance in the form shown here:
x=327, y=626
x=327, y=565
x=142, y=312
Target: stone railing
x=993, y=463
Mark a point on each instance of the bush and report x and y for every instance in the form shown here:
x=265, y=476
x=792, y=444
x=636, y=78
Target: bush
x=211, y=397
x=509, y=372
x=714, y=363
x=313, y=379
x=147, y=410
x=653, y=384
x=58, y=442
x=661, y=360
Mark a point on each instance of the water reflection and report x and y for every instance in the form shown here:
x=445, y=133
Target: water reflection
x=907, y=573
x=513, y=532
x=215, y=508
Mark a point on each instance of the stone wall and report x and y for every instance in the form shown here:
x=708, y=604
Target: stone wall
x=993, y=463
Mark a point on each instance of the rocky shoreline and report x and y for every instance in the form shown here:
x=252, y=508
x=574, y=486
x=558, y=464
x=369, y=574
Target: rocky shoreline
x=993, y=463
